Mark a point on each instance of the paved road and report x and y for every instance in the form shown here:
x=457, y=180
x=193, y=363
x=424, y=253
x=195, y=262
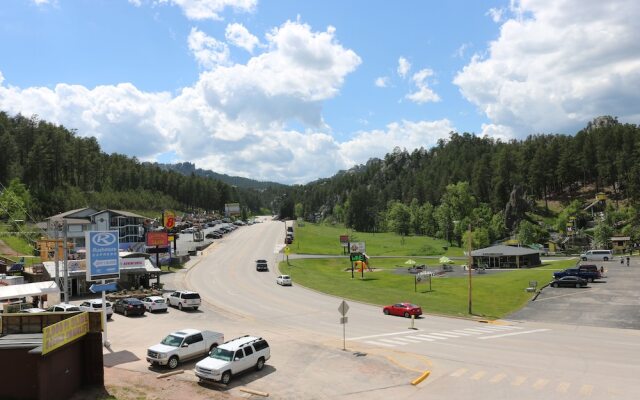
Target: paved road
x=508, y=360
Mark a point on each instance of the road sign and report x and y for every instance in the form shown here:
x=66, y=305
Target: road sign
x=356, y=247
x=287, y=250
x=343, y=308
x=107, y=287
x=103, y=255
x=344, y=320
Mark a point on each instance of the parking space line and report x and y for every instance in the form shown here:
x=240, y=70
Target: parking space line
x=519, y=381
x=497, y=378
x=586, y=390
x=478, y=375
x=540, y=384
x=563, y=387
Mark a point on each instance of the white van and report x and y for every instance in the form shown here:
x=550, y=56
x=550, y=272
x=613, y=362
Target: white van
x=597, y=255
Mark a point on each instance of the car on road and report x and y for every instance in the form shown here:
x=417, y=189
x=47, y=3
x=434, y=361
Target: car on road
x=96, y=306
x=569, y=281
x=155, y=303
x=184, y=299
x=261, y=265
x=232, y=358
x=129, y=306
x=402, y=310
x=283, y=280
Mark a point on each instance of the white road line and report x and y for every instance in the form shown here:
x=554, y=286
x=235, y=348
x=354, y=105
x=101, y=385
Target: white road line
x=380, y=335
x=379, y=343
x=480, y=330
x=447, y=335
x=422, y=337
x=393, y=342
x=432, y=337
x=513, y=333
x=461, y=333
x=407, y=339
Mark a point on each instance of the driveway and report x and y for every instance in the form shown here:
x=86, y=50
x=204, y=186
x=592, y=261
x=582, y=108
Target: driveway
x=612, y=302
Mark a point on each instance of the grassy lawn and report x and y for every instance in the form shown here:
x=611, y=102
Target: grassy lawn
x=495, y=294
x=325, y=239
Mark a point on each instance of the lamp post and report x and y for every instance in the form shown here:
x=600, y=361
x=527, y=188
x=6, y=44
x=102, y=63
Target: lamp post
x=470, y=262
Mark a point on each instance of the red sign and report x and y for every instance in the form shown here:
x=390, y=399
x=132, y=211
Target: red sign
x=344, y=238
x=157, y=239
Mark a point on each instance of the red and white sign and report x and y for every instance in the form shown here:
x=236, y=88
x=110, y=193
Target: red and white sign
x=157, y=239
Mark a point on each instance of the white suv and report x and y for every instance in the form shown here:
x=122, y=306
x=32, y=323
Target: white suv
x=184, y=299
x=96, y=306
x=233, y=357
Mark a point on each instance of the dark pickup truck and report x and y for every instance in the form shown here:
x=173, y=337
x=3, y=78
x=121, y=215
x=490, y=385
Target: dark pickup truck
x=589, y=273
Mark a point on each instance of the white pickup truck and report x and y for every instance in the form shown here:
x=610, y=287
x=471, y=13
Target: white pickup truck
x=183, y=345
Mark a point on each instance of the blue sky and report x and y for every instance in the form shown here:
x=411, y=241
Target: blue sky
x=293, y=91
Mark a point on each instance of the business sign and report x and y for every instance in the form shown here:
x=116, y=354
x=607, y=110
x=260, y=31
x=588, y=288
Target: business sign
x=103, y=258
x=356, y=247
x=357, y=257
x=65, y=331
x=157, y=239
x=169, y=219
x=232, y=209
x=344, y=240
x=137, y=262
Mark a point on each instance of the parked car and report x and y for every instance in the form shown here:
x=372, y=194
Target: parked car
x=184, y=299
x=213, y=235
x=63, y=307
x=403, y=310
x=261, y=265
x=588, y=272
x=183, y=345
x=96, y=306
x=155, y=303
x=232, y=358
x=129, y=306
x=569, y=281
x=283, y=280
x=34, y=310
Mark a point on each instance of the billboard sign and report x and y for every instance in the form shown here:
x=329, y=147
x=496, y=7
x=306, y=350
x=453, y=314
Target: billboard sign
x=103, y=256
x=157, y=239
x=65, y=331
x=232, y=209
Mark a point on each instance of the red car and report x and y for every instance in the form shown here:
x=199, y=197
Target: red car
x=403, y=310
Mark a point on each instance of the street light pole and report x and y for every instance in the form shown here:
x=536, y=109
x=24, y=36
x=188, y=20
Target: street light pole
x=470, y=262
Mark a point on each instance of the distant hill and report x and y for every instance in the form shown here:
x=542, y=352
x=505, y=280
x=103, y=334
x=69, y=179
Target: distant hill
x=187, y=168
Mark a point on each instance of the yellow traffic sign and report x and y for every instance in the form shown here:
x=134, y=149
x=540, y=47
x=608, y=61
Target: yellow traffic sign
x=287, y=250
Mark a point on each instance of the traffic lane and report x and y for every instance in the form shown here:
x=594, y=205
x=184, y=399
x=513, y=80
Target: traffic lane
x=612, y=302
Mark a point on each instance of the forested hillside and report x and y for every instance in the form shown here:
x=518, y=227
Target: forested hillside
x=62, y=171
x=473, y=178
x=187, y=168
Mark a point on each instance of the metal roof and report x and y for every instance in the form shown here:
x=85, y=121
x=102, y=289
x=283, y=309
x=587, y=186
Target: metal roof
x=502, y=250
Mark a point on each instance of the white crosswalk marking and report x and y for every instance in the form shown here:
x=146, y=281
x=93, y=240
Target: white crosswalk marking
x=404, y=338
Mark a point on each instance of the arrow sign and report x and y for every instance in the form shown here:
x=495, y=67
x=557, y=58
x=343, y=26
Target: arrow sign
x=105, y=287
x=343, y=308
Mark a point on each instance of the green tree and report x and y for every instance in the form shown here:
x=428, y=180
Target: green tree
x=399, y=218
x=602, y=234
x=526, y=233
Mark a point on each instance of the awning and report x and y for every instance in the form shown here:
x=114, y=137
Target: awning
x=28, y=289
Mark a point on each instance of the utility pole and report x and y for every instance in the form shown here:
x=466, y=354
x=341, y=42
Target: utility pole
x=56, y=251
x=470, y=262
x=65, y=258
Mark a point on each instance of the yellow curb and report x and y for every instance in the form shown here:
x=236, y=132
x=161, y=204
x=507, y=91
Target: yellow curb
x=421, y=378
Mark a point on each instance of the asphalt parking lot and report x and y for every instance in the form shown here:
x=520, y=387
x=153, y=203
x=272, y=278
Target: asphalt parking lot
x=612, y=302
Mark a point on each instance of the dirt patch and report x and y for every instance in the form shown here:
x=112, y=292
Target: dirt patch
x=7, y=251
x=122, y=384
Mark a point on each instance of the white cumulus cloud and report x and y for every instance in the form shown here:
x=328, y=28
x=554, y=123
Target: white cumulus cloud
x=403, y=67
x=210, y=9
x=239, y=36
x=208, y=51
x=423, y=93
x=382, y=81
x=232, y=120
x=556, y=65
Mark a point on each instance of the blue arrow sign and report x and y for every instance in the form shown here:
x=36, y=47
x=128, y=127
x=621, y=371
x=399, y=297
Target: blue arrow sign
x=107, y=287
